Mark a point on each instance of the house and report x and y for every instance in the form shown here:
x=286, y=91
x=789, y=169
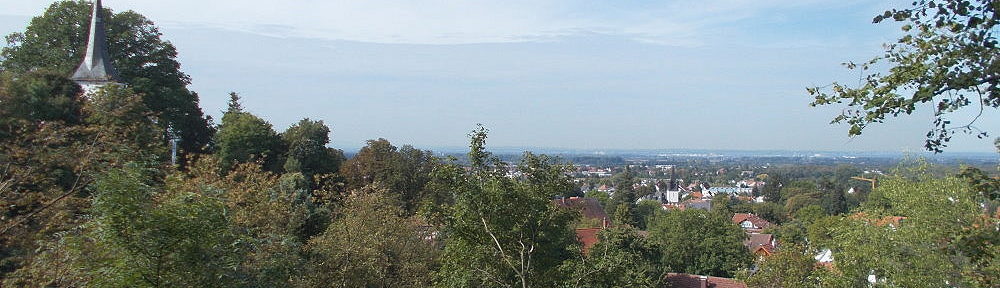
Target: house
x=761, y=245
x=589, y=208
x=681, y=280
x=750, y=223
x=594, y=219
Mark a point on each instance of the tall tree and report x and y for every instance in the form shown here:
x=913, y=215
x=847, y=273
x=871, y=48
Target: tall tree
x=621, y=258
x=140, y=236
x=926, y=239
x=503, y=231
x=243, y=137
x=699, y=242
x=372, y=244
x=403, y=170
x=55, y=42
x=948, y=56
x=307, y=151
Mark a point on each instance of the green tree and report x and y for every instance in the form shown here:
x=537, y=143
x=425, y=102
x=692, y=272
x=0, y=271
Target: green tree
x=372, y=244
x=50, y=159
x=947, y=57
x=922, y=252
x=790, y=267
x=503, y=231
x=140, y=236
x=55, y=42
x=833, y=200
x=403, y=170
x=621, y=258
x=243, y=137
x=307, y=151
x=698, y=242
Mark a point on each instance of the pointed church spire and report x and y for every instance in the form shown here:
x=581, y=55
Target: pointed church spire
x=96, y=69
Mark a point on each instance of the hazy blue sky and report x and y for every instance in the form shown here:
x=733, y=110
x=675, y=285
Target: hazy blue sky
x=725, y=74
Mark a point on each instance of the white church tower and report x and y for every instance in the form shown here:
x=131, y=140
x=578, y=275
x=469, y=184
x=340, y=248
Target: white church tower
x=96, y=69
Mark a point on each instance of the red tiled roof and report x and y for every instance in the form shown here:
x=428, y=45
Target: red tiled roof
x=589, y=207
x=758, y=241
x=681, y=280
x=756, y=221
x=587, y=237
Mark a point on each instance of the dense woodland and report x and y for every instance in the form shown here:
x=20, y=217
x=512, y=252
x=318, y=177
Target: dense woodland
x=90, y=198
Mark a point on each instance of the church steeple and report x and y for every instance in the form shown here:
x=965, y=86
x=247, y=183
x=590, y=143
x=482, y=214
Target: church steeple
x=96, y=69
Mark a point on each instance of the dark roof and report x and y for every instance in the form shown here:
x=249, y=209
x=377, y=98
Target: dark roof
x=589, y=207
x=681, y=280
x=96, y=65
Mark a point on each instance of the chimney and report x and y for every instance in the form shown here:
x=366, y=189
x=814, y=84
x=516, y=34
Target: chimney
x=604, y=223
x=703, y=281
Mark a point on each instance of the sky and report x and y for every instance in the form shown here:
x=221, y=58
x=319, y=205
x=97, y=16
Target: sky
x=727, y=74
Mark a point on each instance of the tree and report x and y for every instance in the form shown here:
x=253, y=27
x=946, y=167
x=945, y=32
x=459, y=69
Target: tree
x=948, y=56
x=503, y=231
x=833, y=200
x=372, y=244
x=307, y=151
x=698, y=242
x=52, y=155
x=55, y=42
x=621, y=258
x=792, y=266
x=772, y=188
x=923, y=251
x=243, y=137
x=403, y=170
x=140, y=236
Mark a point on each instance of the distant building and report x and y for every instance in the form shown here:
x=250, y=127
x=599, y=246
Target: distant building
x=750, y=223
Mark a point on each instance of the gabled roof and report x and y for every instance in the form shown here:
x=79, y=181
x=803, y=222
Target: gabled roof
x=589, y=207
x=757, y=242
x=681, y=280
x=756, y=221
x=96, y=65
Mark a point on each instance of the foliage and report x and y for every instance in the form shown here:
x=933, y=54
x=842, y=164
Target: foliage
x=948, y=56
x=920, y=250
x=372, y=244
x=140, y=237
x=698, y=242
x=55, y=42
x=621, y=258
x=504, y=231
x=307, y=151
x=243, y=138
x=792, y=266
x=403, y=170
x=50, y=157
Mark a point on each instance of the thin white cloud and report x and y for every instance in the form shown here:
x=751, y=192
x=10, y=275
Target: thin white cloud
x=679, y=22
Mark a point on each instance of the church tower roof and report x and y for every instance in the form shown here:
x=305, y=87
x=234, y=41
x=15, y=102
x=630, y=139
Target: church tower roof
x=96, y=67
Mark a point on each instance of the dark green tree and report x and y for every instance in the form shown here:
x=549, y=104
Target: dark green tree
x=403, y=170
x=55, y=42
x=621, y=258
x=307, y=151
x=243, y=137
x=834, y=201
x=947, y=57
x=699, y=242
